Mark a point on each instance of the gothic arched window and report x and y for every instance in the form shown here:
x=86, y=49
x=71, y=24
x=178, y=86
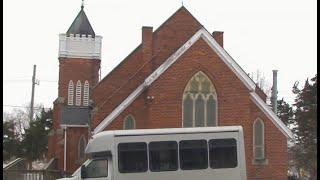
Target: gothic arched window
x=86, y=93
x=78, y=94
x=70, y=93
x=129, y=123
x=199, y=102
x=258, y=139
x=81, y=148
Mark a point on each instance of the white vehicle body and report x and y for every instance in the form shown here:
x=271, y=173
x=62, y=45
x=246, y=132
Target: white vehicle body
x=204, y=153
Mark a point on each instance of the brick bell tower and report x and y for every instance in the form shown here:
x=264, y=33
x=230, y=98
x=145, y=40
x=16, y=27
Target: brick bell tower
x=79, y=67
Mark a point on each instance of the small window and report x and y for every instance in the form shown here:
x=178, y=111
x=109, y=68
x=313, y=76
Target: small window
x=163, y=156
x=86, y=93
x=78, y=94
x=70, y=93
x=258, y=139
x=193, y=154
x=132, y=157
x=129, y=123
x=223, y=153
x=97, y=168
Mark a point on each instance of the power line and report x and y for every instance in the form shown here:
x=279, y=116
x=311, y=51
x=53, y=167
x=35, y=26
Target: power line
x=27, y=80
x=24, y=107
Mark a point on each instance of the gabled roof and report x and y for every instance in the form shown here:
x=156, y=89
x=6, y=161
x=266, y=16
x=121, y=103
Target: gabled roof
x=224, y=56
x=128, y=75
x=81, y=25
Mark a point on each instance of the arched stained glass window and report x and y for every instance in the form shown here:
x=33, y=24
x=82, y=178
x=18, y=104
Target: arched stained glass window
x=199, y=102
x=81, y=148
x=86, y=93
x=78, y=94
x=129, y=123
x=258, y=139
x=70, y=93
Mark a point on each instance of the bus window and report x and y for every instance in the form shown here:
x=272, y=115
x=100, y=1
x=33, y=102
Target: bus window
x=193, y=154
x=163, y=156
x=132, y=157
x=223, y=153
x=97, y=168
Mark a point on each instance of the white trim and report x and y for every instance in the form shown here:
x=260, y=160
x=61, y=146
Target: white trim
x=228, y=60
x=174, y=57
x=67, y=125
x=79, y=46
x=124, y=104
x=271, y=115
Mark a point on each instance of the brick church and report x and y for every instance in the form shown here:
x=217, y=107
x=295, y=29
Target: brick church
x=178, y=76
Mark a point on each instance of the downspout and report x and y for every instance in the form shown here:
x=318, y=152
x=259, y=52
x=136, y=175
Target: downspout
x=65, y=151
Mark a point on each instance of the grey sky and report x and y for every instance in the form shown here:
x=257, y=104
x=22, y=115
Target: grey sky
x=264, y=35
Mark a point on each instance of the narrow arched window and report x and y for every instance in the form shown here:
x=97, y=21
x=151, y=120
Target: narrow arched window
x=129, y=123
x=81, y=148
x=258, y=139
x=70, y=93
x=86, y=93
x=199, y=102
x=78, y=94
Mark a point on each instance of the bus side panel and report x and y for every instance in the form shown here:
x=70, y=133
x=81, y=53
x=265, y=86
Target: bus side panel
x=204, y=174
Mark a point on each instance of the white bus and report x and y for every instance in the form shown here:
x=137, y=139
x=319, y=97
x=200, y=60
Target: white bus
x=204, y=153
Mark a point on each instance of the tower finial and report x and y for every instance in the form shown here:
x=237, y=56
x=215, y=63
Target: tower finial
x=182, y=2
x=82, y=4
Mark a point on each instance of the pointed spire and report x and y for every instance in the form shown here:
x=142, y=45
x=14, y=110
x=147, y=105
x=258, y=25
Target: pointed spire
x=81, y=24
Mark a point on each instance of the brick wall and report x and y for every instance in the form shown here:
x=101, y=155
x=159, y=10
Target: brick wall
x=234, y=107
x=73, y=138
x=77, y=69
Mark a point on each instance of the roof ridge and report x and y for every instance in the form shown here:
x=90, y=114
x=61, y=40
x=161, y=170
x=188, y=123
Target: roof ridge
x=181, y=8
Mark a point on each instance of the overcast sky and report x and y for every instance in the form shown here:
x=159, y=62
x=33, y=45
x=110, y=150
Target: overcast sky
x=258, y=34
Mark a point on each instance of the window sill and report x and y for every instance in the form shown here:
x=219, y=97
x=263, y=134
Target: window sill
x=260, y=161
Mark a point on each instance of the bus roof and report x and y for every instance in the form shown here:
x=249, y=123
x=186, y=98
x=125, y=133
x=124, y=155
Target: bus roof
x=102, y=140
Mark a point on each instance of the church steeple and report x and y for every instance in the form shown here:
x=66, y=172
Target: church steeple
x=79, y=56
x=81, y=24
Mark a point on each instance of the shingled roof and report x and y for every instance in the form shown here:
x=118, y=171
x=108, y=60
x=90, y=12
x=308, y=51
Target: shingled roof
x=81, y=25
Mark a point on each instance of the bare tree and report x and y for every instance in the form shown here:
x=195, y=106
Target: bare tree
x=260, y=79
x=20, y=118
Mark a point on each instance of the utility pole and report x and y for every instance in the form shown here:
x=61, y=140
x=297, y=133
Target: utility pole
x=34, y=82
